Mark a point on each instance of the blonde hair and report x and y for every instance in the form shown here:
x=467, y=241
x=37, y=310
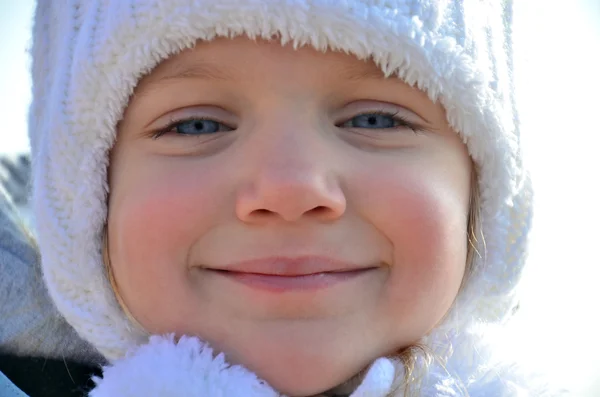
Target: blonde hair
x=113, y=282
x=408, y=356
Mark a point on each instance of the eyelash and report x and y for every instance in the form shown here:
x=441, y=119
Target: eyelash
x=403, y=122
x=176, y=122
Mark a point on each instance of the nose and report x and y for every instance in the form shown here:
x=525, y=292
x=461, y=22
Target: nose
x=291, y=180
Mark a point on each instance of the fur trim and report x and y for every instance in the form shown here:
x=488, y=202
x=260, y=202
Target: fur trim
x=189, y=367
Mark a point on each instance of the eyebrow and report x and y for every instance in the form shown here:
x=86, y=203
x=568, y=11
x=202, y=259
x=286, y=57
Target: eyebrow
x=208, y=71
x=197, y=70
x=354, y=73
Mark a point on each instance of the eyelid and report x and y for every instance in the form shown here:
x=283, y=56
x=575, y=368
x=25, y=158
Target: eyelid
x=361, y=107
x=170, y=127
x=189, y=113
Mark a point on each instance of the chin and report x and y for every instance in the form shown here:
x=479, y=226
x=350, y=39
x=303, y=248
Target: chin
x=303, y=380
x=300, y=371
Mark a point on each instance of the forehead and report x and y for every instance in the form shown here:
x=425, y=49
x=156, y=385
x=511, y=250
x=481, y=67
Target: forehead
x=240, y=58
x=244, y=69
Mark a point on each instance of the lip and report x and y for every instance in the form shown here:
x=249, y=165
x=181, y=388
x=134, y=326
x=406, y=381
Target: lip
x=297, y=266
x=280, y=284
x=281, y=274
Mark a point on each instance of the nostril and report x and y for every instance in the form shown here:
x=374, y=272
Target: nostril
x=320, y=210
x=262, y=212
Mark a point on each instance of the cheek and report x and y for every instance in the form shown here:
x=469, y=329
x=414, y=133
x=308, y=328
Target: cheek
x=423, y=214
x=156, y=214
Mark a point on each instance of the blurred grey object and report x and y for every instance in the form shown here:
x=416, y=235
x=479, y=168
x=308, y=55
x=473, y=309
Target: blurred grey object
x=15, y=170
x=30, y=325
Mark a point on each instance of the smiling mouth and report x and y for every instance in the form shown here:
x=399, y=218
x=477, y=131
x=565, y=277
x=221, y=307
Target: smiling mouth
x=281, y=274
x=285, y=283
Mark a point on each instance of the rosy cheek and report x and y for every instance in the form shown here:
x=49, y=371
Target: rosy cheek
x=423, y=216
x=155, y=216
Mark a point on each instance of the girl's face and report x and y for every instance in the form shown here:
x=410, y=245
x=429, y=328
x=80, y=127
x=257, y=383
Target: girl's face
x=295, y=209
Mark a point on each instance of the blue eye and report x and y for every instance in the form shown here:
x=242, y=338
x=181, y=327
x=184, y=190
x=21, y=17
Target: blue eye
x=198, y=127
x=372, y=120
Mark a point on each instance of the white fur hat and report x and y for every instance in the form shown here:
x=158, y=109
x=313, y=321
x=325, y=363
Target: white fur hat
x=88, y=56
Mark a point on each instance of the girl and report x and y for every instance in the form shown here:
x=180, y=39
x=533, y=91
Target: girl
x=263, y=198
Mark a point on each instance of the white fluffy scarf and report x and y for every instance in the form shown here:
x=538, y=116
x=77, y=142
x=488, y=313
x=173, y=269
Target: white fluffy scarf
x=188, y=367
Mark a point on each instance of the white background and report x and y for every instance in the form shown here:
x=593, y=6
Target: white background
x=558, y=87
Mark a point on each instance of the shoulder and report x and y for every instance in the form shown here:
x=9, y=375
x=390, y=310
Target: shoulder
x=36, y=376
x=31, y=324
x=18, y=263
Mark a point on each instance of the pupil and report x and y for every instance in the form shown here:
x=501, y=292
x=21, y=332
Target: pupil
x=372, y=120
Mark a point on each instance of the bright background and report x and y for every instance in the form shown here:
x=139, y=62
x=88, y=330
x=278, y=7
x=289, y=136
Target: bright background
x=558, y=81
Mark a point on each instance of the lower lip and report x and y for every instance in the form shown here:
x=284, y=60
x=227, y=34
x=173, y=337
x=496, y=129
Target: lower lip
x=273, y=283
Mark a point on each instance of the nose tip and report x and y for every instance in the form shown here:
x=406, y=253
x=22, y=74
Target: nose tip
x=291, y=200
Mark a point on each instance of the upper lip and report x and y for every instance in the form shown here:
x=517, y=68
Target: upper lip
x=291, y=266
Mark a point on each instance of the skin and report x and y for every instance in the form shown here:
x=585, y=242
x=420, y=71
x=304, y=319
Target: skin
x=292, y=172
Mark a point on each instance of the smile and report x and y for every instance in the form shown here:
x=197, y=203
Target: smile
x=279, y=274
x=273, y=283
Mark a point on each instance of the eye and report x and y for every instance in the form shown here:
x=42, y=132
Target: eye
x=194, y=126
x=371, y=120
x=378, y=120
x=199, y=127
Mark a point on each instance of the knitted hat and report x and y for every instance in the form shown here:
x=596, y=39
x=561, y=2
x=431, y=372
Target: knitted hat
x=88, y=56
